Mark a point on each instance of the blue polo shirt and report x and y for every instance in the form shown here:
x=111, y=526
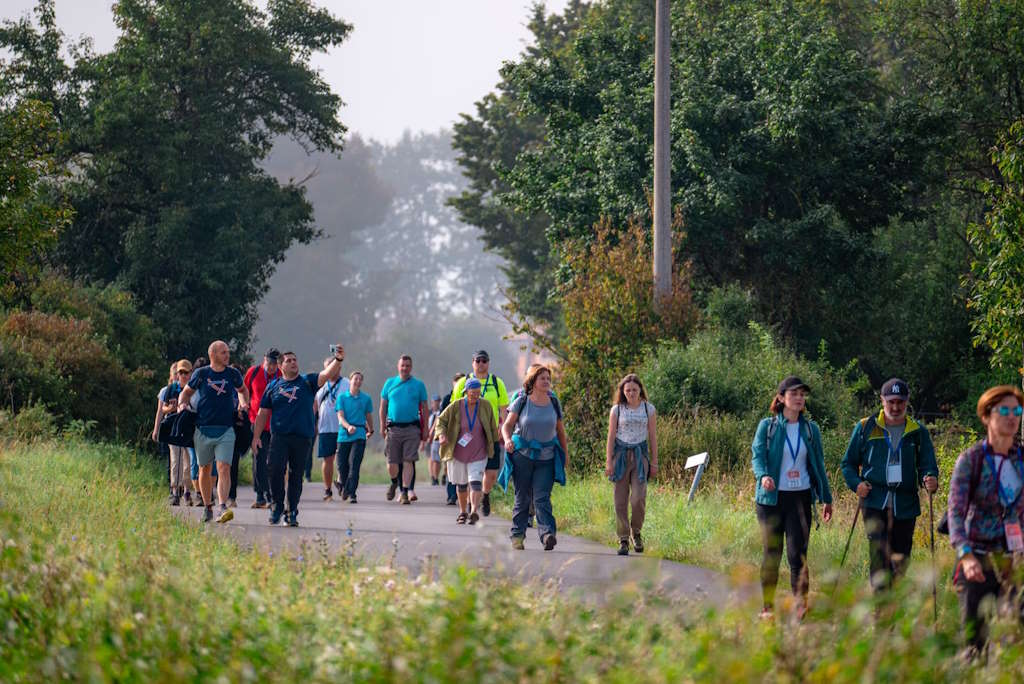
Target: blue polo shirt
x=216, y=392
x=355, y=410
x=404, y=399
x=291, y=403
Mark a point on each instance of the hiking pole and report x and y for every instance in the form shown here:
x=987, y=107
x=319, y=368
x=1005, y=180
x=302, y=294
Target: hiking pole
x=931, y=530
x=846, y=548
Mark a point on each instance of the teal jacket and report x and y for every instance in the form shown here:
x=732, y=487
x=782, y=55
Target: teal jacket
x=767, y=458
x=867, y=456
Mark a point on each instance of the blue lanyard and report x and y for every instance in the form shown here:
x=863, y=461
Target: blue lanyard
x=888, y=442
x=799, y=437
x=472, y=421
x=989, y=452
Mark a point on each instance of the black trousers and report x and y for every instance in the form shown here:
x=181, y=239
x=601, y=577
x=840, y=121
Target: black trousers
x=1000, y=592
x=349, y=460
x=287, y=453
x=234, y=474
x=261, y=469
x=889, y=543
x=790, y=518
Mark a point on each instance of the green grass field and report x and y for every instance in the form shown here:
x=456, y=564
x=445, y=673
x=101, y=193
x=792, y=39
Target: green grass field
x=98, y=582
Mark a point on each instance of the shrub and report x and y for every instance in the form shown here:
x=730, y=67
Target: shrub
x=30, y=424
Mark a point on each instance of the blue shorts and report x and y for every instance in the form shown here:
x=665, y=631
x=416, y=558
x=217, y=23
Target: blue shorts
x=328, y=442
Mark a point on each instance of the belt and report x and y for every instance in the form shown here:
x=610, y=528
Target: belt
x=392, y=424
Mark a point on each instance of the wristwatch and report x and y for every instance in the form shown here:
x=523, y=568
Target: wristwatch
x=963, y=551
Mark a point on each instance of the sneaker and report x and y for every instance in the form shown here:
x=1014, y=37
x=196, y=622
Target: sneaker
x=188, y=499
x=391, y=491
x=344, y=496
x=225, y=515
x=638, y=542
x=487, y=504
x=412, y=496
x=518, y=543
x=309, y=479
x=275, y=516
x=328, y=495
x=176, y=500
x=474, y=517
x=208, y=514
x=434, y=482
x=623, y=547
x=232, y=503
x=453, y=501
x=293, y=519
x=340, y=487
x=529, y=521
x=352, y=499
x=549, y=542
x=404, y=499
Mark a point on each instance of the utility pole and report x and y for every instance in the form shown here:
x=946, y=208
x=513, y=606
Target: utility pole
x=662, y=180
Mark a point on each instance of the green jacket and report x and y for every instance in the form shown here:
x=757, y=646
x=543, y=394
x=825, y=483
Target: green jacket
x=867, y=456
x=449, y=423
x=767, y=458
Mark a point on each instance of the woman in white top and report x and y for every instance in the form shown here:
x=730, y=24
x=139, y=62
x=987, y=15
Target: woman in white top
x=632, y=458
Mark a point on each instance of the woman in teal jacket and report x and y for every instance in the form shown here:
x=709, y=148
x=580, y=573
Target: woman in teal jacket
x=789, y=467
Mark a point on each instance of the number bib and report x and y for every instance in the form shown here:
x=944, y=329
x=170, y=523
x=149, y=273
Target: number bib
x=1014, y=539
x=465, y=439
x=793, y=479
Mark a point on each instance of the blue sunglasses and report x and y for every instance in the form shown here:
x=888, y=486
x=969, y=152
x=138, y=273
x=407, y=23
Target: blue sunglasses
x=1005, y=411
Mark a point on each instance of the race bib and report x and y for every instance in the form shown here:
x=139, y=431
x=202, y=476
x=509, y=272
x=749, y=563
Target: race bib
x=894, y=473
x=793, y=478
x=1014, y=539
x=465, y=439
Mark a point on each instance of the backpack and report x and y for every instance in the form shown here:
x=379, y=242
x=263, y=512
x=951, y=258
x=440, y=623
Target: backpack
x=943, y=526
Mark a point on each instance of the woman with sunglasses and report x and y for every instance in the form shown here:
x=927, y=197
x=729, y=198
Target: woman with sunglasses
x=986, y=486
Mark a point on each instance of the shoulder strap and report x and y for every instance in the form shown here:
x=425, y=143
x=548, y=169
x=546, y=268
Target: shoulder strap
x=557, y=405
x=772, y=426
x=975, y=478
x=867, y=425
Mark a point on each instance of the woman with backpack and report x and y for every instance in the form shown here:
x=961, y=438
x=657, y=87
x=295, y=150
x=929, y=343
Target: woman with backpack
x=538, y=455
x=789, y=468
x=167, y=405
x=986, y=486
x=631, y=458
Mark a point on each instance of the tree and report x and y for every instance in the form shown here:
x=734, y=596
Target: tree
x=171, y=201
x=997, y=287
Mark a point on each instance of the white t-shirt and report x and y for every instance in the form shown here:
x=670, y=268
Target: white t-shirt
x=326, y=397
x=794, y=476
x=1009, y=478
x=632, y=426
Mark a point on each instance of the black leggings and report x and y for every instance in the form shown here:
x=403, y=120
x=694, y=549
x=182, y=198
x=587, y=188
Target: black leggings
x=789, y=518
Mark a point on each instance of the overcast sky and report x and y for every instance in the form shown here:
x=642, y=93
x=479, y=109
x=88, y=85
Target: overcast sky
x=409, y=64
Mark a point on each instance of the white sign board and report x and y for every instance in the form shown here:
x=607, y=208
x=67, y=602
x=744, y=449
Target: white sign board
x=694, y=461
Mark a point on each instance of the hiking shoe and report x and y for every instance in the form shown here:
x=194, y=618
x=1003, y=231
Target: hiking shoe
x=549, y=542
x=328, y=495
x=208, y=514
x=638, y=543
x=225, y=515
x=232, y=503
x=434, y=482
x=623, y=547
x=259, y=503
x=340, y=487
x=391, y=491
x=453, y=501
x=188, y=499
x=352, y=499
x=474, y=517
x=404, y=499
x=293, y=518
x=518, y=543
x=461, y=519
x=275, y=516
x=487, y=504
x=176, y=500
x=344, y=496
x=412, y=496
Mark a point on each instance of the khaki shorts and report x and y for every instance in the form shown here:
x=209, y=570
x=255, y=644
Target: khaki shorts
x=402, y=444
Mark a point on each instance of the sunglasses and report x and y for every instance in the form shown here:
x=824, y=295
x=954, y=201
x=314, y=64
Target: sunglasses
x=1006, y=410
x=184, y=372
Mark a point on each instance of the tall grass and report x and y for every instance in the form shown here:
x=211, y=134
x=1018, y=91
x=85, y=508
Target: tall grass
x=98, y=582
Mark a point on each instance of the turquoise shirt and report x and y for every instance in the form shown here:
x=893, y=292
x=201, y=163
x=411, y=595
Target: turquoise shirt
x=354, y=409
x=404, y=399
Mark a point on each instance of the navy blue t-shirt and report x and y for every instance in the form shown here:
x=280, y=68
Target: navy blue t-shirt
x=216, y=392
x=291, y=403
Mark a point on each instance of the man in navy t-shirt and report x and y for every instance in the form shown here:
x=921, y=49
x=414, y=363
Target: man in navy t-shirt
x=288, y=403
x=216, y=386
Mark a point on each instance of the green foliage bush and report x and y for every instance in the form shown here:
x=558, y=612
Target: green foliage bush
x=30, y=424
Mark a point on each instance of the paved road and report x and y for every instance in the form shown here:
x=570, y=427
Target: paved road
x=423, y=535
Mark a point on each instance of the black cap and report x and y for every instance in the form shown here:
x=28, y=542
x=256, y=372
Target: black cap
x=895, y=388
x=481, y=354
x=273, y=354
x=792, y=382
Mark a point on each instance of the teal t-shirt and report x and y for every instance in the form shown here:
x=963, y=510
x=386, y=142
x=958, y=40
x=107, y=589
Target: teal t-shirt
x=354, y=410
x=404, y=399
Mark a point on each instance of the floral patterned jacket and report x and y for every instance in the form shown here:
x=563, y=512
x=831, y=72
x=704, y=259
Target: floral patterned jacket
x=978, y=524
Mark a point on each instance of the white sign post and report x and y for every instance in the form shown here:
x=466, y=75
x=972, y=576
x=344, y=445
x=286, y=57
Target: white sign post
x=699, y=461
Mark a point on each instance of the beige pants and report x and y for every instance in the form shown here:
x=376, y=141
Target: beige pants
x=630, y=493
x=179, y=467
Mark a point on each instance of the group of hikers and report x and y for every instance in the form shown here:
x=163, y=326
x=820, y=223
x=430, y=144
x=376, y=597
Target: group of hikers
x=478, y=436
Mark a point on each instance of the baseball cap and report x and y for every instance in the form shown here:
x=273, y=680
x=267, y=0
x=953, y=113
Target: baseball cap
x=473, y=383
x=273, y=354
x=481, y=355
x=895, y=388
x=792, y=382
x=436, y=397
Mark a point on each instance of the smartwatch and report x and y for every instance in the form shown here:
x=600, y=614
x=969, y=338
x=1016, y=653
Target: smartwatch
x=963, y=551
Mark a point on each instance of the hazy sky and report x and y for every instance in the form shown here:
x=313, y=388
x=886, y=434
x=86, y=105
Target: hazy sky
x=408, y=64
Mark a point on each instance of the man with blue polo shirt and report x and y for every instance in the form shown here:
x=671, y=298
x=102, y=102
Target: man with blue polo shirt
x=403, y=413
x=216, y=386
x=288, y=403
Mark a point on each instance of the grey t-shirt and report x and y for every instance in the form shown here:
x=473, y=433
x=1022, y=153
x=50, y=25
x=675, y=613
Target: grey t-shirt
x=536, y=423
